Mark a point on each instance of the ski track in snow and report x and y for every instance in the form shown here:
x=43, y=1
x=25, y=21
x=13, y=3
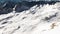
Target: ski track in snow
x=37, y=20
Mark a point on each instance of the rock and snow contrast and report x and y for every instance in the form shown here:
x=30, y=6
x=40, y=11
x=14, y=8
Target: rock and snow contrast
x=36, y=20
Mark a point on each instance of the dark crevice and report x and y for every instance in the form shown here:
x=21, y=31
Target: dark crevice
x=4, y=22
x=48, y=18
x=24, y=17
x=6, y=18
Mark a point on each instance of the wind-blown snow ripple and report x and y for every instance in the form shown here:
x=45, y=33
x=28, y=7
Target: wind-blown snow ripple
x=37, y=20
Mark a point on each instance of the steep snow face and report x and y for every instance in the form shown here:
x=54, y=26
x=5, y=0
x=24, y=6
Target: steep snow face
x=37, y=20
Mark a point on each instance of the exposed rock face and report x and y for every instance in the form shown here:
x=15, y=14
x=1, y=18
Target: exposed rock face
x=27, y=0
x=7, y=7
x=36, y=20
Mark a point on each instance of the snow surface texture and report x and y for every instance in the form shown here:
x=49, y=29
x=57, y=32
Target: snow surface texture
x=37, y=20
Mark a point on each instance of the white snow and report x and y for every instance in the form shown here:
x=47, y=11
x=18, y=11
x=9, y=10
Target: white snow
x=32, y=21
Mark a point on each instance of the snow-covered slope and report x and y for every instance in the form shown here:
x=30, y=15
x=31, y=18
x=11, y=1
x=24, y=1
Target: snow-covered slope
x=37, y=20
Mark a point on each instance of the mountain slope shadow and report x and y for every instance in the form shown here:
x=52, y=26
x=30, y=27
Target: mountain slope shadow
x=21, y=6
x=27, y=5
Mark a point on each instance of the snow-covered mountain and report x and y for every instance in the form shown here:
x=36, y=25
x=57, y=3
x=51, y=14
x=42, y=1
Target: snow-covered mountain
x=42, y=19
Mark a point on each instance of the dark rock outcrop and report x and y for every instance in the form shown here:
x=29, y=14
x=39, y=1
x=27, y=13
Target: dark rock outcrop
x=7, y=7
